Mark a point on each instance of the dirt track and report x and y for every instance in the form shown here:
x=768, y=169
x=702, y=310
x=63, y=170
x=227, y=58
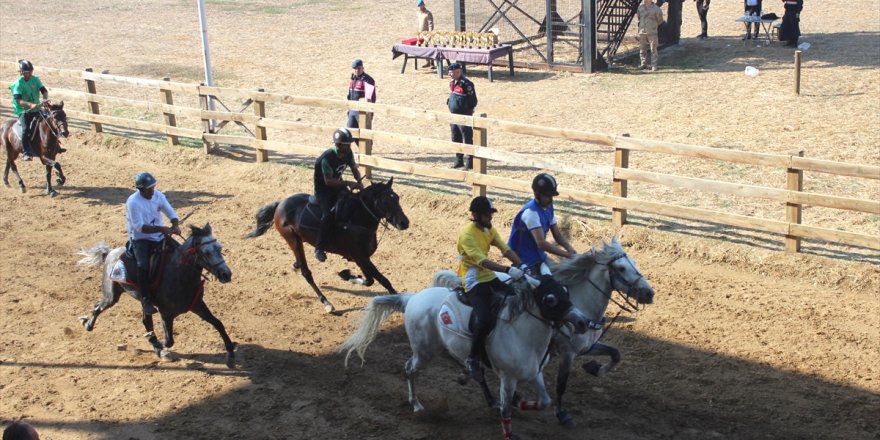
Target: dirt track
x=744, y=342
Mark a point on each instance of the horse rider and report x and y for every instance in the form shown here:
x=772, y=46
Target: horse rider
x=26, y=91
x=146, y=229
x=528, y=235
x=329, y=183
x=477, y=274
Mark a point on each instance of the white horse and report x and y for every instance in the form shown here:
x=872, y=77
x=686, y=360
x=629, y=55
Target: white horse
x=591, y=278
x=436, y=323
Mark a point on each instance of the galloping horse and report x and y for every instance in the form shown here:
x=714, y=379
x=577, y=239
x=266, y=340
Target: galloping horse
x=51, y=126
x=179, y=290
x=436, y=323
x=297, y=221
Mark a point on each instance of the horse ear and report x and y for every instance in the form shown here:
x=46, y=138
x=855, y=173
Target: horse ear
x=61, y=105
x=390, y=181
x=195, y=230
x=207, y=228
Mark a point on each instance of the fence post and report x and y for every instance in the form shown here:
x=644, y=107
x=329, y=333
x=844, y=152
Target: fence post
x=621, y=160
x=480, y=140
x=93, y=106
x=797, y=72
x=794, y=182
x=259, y=131
x=170, y=117
x=206, y=122
x=365, y=146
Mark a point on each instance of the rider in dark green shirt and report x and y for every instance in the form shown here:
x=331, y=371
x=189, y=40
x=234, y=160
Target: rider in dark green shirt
x=329, y=183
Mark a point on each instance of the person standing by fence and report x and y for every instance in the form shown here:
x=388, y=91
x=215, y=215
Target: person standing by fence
x=462, y=101
x=360, y=86
x=26, y=91
x=790, y=30
x=650, y=17
x=702, y=11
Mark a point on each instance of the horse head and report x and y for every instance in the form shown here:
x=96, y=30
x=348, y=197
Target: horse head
x=623, y=272
x=57, y=119
x=554, y=303
x=384, y=203
x=207, y=252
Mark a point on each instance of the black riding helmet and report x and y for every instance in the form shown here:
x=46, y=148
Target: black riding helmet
x=482, y=205
x=144, y=180
x=25, y=66
x=342, y=136
x=544, y=184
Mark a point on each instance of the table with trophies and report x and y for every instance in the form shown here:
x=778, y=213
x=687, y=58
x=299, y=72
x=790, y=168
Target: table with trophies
x=461, y=47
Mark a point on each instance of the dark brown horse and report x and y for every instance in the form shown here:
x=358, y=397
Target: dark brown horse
x=51, y=126
x=354, y=239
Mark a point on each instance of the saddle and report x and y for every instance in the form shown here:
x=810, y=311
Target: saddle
x=455, y=311
x=341, y=210
x=18, y=129
x=125, y=269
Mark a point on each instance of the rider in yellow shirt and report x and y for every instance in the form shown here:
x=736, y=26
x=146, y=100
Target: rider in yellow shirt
x=477, y=273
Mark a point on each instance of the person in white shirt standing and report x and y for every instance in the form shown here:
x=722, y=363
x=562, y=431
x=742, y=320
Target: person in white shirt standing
x=146, y=229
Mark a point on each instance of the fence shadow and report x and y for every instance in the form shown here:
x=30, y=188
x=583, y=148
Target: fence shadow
x=102, y=195
x=660, y=390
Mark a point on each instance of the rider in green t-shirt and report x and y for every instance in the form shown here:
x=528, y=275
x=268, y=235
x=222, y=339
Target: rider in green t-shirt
x=26, y=93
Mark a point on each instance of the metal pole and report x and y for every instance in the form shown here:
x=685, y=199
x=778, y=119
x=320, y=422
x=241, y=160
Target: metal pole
x=588, y=34
x=209, y=77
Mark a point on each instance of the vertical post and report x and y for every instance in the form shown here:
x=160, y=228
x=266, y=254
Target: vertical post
x=93, y=106
x=480, y=140
x=550, y=11
x=621, y=160
x=259, y=131
x=459, y=10
x=794, y=182
x=797, y=72
x=206, y=122
x=170, y=118
x=365, y=146
x=588, y=34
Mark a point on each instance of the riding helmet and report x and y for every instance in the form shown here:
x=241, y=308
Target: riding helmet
x=144, y=180
x=342, y=136
x=544, y=184
x=25, y=66
x=482, y=205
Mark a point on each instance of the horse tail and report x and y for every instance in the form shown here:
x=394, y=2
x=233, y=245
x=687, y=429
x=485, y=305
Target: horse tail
x=95, y=256
x=447, y=279
x=377, y=312
x=264, y=219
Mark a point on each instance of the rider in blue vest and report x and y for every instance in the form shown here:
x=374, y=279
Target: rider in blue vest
x=528, y=235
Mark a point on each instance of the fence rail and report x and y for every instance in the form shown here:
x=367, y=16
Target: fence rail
x=620, y=174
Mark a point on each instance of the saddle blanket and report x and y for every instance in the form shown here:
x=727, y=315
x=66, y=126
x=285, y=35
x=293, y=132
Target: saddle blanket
x=455, y=316
x=119, y=273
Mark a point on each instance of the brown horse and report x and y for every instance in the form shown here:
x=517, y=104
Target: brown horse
x=51, y=126
x=354, y=239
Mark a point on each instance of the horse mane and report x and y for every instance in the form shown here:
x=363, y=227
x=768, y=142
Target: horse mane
x=523, y=299
x=575, y=269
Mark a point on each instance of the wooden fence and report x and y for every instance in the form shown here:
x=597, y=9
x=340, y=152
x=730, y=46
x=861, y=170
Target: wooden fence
x=792, y=196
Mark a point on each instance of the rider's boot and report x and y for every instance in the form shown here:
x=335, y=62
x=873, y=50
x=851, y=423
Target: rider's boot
x=323, y=232
x=146, y=291
x=472, y=369
x=26, y=148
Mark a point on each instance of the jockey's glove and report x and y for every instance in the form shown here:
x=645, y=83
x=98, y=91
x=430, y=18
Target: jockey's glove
x=515, y=272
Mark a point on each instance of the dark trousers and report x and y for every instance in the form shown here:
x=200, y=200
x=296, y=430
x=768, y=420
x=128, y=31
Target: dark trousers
x=753, y=10
x=25, y=120
x=704, y=25
x=326, y=200
x=142, y=249
x=481, y=300
x=352, y=119
x=790, y=30
x=462, y=134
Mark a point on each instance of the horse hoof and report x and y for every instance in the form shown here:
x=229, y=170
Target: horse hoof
x=22, y=189
x=328, y=308
x=167, y=356
x=59, y=182
x=84, y=320
x=593, y=368
x=230, y=361
x=52, y=193
x=296, y=265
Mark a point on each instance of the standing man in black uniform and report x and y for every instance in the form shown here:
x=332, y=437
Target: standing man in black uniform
x=329, y=183
x=462, y=101
x=702, y=11
x=357, y=89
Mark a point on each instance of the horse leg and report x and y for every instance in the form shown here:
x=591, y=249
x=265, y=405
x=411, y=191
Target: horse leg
x=508, y=388
x=371, y=272
x=168, y=329
x=600, y=349
x=296, y=245
x=487, y=394
x=111, y=297
x=543, y=401
x=564, y=370
x=51, y=192
x=147, y=319
x=201, y=309
x=11, y=165
x=6, y=172
x=412, y=368
x=59, y=179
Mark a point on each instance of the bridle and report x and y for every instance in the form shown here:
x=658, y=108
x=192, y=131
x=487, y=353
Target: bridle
x=188, y=255
x=52, y=121
x=615, y=276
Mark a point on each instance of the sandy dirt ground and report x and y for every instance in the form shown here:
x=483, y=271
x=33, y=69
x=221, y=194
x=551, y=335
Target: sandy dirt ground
x=743, y=342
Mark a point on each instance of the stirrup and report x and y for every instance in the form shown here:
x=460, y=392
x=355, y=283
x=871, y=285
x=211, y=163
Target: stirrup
x=320, y=255
x=472, y=369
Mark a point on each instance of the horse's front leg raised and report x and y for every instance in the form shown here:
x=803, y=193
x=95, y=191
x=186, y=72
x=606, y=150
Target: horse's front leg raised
x=59, y=179
x=600, y=349
x=201, y=309
x=371, y=272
